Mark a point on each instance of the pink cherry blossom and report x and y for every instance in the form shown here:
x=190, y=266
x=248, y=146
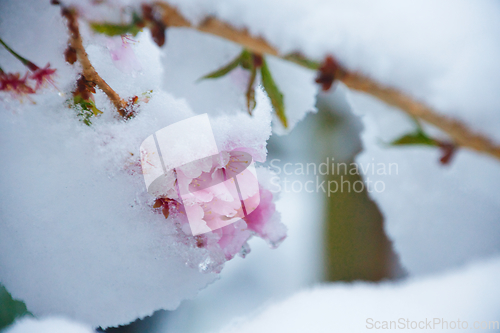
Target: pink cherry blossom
x=122, y=54
x=209, y=205
x=264, y=220
x=234, y=239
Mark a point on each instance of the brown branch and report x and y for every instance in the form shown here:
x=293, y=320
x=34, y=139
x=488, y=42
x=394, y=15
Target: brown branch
x=89, y=71
x=172, y=18
x=458, y=131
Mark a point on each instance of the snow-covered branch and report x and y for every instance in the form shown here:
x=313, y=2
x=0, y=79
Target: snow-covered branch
x=460, y=132
x=89, y=72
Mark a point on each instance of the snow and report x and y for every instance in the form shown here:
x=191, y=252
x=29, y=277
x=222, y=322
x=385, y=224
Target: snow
x=437, y=216
x=264, y=276
x=44, y=46
x=78, y=235
x=441, y=52
x=47, y=325
x=79, y=238
x=226, y=95
x=469, y=294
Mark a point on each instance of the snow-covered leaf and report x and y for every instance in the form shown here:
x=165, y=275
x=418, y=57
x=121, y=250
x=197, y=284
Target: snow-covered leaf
x=274, y=93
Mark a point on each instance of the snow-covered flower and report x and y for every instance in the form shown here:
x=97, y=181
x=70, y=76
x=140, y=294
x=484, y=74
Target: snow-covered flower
x=265, y=221
x=206, y=195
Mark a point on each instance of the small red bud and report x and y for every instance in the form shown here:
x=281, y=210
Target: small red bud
x=448, y=151
x=327, y=72
x=158, y=33
x=257, y=60
x=70, y=55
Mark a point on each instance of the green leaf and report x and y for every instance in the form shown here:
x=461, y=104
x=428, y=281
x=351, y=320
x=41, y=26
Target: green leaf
x=94, y=108
x=10, y=309
x=113, y=29
x=417, y=138
x=274, y=93
x=251, y=91
x=224, y=70
x=246, y=60
x=302, y=61
x=251, y=62
x=86, y=109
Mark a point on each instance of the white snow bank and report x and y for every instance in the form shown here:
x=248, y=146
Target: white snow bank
x=438, y=216
x=78, y=235
x=47, y=325
x=470, y=294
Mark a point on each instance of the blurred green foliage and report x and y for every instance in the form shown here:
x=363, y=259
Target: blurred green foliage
x=357, y=247
x=417, y=138
x=10, y=309
x=355, y=243
x=113, y=29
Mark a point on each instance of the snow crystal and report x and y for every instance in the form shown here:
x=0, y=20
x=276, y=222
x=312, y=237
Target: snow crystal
x=135, y=81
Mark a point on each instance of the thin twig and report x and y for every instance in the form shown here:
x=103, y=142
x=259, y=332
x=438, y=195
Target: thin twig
x=458, y=131
x=89, y=71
